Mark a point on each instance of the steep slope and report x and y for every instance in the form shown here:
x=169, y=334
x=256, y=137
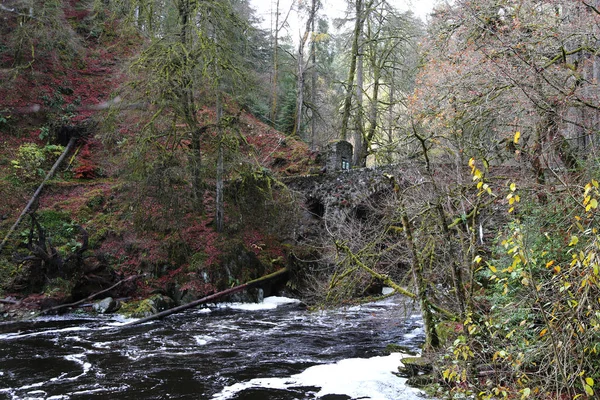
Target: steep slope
x=62, y=67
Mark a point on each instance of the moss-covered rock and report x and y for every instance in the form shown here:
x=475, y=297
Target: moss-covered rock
x=147, y=307
x=414, y=366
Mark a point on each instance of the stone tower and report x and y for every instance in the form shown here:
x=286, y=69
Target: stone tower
x=339, y=156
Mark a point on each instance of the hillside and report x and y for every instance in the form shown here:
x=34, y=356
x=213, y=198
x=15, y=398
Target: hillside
x=99, y=220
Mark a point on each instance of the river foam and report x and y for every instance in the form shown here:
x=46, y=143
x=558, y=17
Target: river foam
x=269, y=303
x=364, y=378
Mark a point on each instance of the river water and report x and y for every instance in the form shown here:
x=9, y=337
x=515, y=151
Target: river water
x=274, y=350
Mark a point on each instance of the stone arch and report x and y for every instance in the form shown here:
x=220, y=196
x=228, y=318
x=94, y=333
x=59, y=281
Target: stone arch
x=316, y=207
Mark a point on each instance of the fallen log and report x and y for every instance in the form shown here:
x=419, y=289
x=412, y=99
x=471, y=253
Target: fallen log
x=37, y=193
x=212, y=297
x=90, y=297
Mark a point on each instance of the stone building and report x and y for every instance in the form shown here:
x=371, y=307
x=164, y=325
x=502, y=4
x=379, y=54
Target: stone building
x=339, y=156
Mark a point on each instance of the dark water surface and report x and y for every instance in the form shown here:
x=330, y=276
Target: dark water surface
x=248, y=352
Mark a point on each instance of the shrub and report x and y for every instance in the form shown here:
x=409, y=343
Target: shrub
x=32, y=160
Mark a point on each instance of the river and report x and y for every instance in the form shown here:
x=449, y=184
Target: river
x=274, y=350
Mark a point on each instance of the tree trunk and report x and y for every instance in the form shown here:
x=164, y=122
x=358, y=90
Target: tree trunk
x=359, y=134
x=188, y=106
x=212, y=297
x=386, y=280
x=431, y=337
x=275, y=77
x=220, y=207
x=313, y=87
x=38, y=191
x=374, y=109
x=297, y=131
x=352, y=70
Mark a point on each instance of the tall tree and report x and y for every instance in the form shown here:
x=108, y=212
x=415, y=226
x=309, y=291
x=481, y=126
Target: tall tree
x=200, y=50
x=302, y=66
x=360, y=15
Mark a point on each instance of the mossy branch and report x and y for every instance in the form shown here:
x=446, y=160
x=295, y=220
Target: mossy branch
x=387, y=280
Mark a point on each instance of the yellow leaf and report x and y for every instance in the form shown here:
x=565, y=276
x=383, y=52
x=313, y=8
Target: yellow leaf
x=543, y=332
x=526, y=392
x=595, y=183
x=492, y=268
x=593, y=203
x=511, y=210
x=516, y=138
x=479, y=185
x=549, y=263
x=513, y=187
x=511, y=201
x=589, y=381
x=557, y=269
x=472, y=162
x=574, y=241
x=588, y=390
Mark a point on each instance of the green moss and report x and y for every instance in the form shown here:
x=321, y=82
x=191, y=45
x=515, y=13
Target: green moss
x=7, y=271
x=147, y=307
x=95, y=202
x=396, y=348
x=32, y=161
x=138, y=309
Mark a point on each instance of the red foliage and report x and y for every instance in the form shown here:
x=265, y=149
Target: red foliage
x=86, y=168
x=202, y=238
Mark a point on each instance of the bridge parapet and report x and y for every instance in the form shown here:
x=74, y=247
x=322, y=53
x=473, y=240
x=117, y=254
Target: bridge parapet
x=337, y=193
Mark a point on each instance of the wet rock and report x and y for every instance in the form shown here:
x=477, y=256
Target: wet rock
x=106, y=306
x=417, y=370
x=253, y=295
x=414, y=366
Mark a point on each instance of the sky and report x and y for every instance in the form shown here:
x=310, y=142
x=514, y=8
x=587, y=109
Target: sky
x=333, y=9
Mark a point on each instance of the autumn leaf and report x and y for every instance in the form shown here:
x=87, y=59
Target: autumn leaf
x=517, y=137
x=574, y=241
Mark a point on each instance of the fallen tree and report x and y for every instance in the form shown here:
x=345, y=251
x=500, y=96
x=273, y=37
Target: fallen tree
x=215, y=296
x=92, y=296
x=37, y=193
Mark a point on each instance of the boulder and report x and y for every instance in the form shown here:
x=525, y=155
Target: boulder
x=106, y=306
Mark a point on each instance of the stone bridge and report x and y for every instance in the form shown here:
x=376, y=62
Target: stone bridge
x=343, y=193
x=340, y=192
